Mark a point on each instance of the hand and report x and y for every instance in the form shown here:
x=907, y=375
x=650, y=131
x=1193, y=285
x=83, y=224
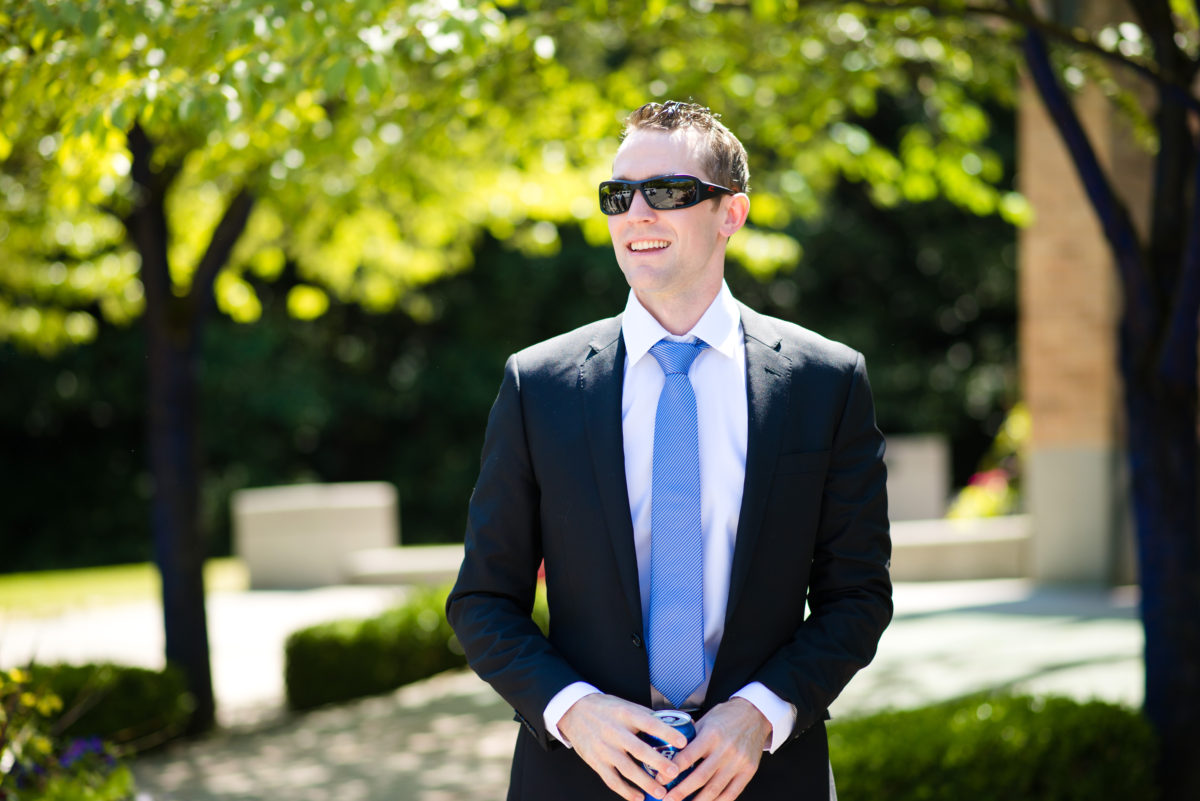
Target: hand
x=603, y=730
x=730, y=741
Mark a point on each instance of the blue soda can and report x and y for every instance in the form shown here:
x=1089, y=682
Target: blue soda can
x=680, y=721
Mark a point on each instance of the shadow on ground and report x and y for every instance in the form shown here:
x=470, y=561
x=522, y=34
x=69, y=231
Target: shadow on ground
x=440, y=740
x=1081, y=604
x=450, y=738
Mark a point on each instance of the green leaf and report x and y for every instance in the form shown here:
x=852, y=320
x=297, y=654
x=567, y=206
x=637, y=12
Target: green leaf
x=90, y=23
x=121, y=115
x=335, y=77
x=371, y=77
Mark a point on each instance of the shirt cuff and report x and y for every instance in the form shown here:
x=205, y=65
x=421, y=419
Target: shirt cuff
x=562, y=701
x=778, y=712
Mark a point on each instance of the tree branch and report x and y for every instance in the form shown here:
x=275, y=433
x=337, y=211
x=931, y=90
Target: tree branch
x=146, y=221
x=224, y=237
x=1032, y=22
x=1157, y=21
x=1118, y=229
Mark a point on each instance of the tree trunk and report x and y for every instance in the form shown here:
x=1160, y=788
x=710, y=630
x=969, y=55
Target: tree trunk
x=172, y=338
x=1158, y=364
x=179, y=548
x=1163, y=450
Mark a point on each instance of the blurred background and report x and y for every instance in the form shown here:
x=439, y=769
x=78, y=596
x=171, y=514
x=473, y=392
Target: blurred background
x=290, y=243
x=366, y=351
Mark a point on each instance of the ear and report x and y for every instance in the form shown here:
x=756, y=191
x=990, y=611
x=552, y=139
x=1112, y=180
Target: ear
x=735, y=213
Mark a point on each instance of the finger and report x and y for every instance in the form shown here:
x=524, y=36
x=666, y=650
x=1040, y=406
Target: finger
x=644, y=720
x=645, y=753
x=656, y=728
x=735, y=787
x=733, y=772
x=716, y=785
x=612, y=779
x=712, y=788
x=695, y=751
x=637, y=775
x=622, y=775
x=699, y=778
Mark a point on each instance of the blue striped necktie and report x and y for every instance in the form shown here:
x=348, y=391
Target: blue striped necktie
x=676, y=636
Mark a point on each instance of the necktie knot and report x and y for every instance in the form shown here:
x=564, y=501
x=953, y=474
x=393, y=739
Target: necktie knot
x=676, y=357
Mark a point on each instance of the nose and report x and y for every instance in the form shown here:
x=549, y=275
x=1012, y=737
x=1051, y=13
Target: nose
x=639, y=209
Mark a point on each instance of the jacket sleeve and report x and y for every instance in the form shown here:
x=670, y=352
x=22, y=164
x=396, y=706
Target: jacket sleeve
x=490, y=605
x=850, y=591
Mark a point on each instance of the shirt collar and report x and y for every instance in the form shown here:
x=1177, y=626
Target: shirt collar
x=719, y=326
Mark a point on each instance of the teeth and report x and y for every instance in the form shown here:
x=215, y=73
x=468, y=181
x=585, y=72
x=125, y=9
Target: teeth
x=648, y=244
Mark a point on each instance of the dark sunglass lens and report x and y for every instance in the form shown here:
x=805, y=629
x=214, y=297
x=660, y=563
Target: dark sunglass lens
x=671, y=193
x=615, y=198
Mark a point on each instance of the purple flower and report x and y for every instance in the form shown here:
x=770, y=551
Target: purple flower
x=79, y=748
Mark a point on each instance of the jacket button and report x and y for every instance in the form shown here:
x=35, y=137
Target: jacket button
x=637, y=641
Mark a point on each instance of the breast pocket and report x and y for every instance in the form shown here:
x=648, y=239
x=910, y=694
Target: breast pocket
x=802, y=462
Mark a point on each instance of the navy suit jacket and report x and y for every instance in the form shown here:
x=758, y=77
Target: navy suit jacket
x=813, y=527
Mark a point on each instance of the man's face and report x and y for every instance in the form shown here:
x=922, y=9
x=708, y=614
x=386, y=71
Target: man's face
x=678, y=253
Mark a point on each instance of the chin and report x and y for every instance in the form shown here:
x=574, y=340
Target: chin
x=641, y=281
x=646, y=276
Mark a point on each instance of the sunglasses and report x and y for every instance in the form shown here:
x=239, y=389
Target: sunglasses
x=662, y=194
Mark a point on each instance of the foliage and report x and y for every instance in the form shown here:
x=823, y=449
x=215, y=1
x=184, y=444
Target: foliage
x=941, y=359
x=352, y=658
x=133, y=707
x=376, y=139
x=326, y=115
x=349, y=659
x=996, y=748
x=995, y=489
x=39, y=761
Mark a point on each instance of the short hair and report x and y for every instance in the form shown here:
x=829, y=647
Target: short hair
x=726, y=161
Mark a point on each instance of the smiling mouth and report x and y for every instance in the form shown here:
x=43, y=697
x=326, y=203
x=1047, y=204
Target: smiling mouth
x=649, y=244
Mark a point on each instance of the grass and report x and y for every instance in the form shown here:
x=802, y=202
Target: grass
x=52, y=592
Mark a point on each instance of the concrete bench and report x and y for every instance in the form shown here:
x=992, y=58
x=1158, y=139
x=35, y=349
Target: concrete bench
x=955, y=550
x=918, y=481
x=303, y=535
x=408, y=564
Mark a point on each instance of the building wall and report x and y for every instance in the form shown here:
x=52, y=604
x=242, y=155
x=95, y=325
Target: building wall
x=1069, y=298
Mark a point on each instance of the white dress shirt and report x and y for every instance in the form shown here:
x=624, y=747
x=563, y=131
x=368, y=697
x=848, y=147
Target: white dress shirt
x=718, y=377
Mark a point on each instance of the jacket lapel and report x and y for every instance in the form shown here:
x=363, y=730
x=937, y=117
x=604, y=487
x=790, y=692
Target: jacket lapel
x=768, y=382
x=601, y=374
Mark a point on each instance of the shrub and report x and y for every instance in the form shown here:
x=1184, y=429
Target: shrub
x=133, y=707
x=349, y=659
x=38, y=762
x=995, y=748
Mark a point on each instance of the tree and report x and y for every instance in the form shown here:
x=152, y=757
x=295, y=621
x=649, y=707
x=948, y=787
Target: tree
x=950, y=55
x=1160, y=279
x=1159, y=275
x=155, y=154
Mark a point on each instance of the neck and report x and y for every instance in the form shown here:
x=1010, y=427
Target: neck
x=678, y=312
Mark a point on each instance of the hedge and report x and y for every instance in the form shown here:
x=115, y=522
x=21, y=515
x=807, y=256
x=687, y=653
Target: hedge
x=983, y=747
x=40, y=763
x=349, y=659
x=131, y=707
x=996, y=748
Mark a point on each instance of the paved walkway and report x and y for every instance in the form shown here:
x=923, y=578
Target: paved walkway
x=449, y=738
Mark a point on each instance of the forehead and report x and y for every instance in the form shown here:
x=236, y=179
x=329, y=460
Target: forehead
x=646, y=153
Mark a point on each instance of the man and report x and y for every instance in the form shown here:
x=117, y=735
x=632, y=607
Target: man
x=691, y=472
